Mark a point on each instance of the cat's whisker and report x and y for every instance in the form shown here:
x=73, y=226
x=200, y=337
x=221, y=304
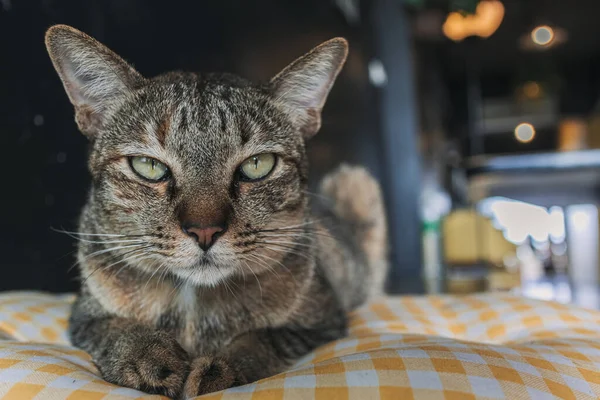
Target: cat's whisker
x=87, y=234
x=157, y=271
x=294, y=244
x=176, y=285
x=318, y=195
x=306, y=223
x=284, y=249
x=111, y=249
x=226, y=284
x=140, y=257
x=257, y=281
x=110, y=241
x=107, y=235
x=163, y=276
x=306, y=230
x=151, y=276
x=88, y=256
x=289, y=235
x=282, y=266
x=123, y=259
x=267, y=267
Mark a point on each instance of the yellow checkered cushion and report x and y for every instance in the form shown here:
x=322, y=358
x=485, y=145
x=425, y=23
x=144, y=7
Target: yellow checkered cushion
x=484, y=346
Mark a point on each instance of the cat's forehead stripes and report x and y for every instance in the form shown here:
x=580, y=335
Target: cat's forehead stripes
x=163, y=128
x=213, y=113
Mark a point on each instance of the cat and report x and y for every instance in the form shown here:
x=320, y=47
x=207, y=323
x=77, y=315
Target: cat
x=202, y=264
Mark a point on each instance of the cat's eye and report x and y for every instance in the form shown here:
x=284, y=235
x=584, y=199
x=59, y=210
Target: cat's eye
x=257, y=167
x=149, y=168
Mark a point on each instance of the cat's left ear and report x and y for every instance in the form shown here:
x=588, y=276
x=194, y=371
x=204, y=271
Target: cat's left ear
x=303, y=86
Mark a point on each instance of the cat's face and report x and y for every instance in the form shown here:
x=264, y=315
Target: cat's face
x=202, y=176
x=202, y=133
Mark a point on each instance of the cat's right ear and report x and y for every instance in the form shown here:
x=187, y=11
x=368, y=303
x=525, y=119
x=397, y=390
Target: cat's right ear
x=92, y=75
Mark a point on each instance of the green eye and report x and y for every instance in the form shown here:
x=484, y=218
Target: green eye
x=258, y=166
x=149, y=168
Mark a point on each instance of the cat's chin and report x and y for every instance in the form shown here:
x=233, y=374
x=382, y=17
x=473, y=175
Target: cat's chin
x=211, y=276
x=205, y=273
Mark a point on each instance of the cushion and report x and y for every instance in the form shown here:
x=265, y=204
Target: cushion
x=488, y=346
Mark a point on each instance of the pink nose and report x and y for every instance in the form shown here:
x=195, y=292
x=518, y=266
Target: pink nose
x=205, y=237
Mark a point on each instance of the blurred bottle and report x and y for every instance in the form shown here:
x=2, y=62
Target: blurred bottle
x=435, y=204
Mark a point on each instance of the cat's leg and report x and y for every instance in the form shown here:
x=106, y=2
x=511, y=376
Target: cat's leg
x=357, y=262
x=260, y=354
x=130, y=354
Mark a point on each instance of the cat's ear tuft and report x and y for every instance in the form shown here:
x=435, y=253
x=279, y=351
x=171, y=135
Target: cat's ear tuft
x=93, y=76
x=303, y=86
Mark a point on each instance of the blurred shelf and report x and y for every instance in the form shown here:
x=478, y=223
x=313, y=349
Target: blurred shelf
x=546, y=179
x=535, y=162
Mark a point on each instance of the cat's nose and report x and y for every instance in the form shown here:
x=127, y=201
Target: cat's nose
x=205, y=236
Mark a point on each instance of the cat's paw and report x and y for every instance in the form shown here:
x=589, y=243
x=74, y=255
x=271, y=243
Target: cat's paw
x=210, y=375
x=156, y=364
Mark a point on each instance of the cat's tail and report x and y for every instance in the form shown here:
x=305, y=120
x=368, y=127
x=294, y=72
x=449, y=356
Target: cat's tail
x=356, y=202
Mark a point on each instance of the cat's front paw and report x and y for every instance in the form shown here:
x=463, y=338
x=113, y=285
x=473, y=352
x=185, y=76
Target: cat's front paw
x=210, y=375
x=155, y=364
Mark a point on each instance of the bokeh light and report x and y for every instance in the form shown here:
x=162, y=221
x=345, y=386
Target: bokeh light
x=524, y=132
x=542, y=35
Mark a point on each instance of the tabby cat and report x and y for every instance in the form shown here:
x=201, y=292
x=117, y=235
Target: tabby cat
x=202, y=264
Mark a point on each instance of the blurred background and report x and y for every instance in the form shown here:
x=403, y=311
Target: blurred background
x=480, y=118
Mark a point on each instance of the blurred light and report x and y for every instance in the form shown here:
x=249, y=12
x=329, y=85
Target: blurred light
x=572, y=134
x=519, y=221
x=559, y=249
x=581, y=219
x=532, y=90
x=557, y=225
x=377, y=74
x=540, y=291
x=524, y=132
x=542, y=35
x=486, y=20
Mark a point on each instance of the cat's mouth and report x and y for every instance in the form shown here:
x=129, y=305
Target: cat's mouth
x=205, y=260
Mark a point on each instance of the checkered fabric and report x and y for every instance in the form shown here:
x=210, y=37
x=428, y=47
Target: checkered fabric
x=492, y=346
